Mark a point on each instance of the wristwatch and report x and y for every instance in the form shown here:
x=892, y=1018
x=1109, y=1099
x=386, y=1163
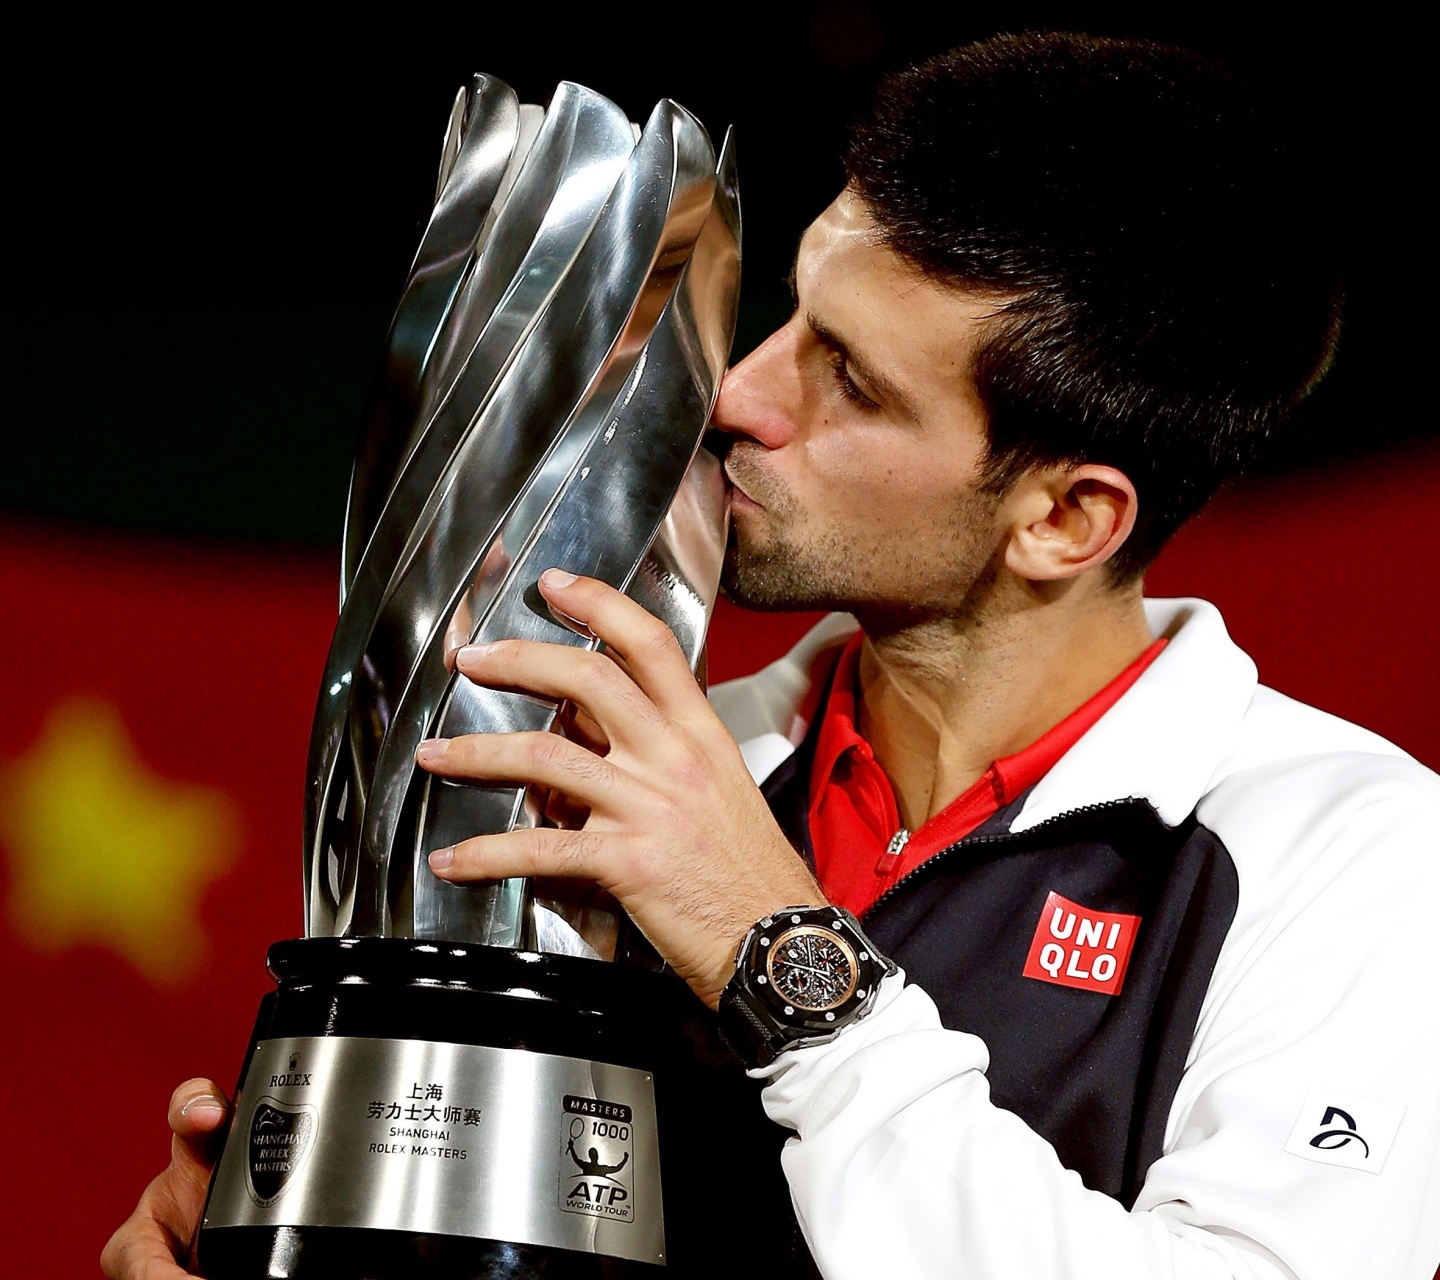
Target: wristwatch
x=801, y=976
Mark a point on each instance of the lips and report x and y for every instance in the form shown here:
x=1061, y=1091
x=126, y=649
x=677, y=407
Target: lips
x=737, y=489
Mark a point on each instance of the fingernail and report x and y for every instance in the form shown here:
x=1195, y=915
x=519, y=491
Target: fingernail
x=431, y=749
x=205, y=1102
x=557, y=578
x=467, y=654
x=442, y=858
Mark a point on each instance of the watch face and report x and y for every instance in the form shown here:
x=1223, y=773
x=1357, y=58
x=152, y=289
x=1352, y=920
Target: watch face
x=811, y=968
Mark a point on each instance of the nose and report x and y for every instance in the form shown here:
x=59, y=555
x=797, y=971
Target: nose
x=759, y=397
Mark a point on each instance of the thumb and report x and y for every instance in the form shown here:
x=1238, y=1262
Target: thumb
x=198, y=1112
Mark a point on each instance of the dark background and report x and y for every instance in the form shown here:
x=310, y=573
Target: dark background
x=210, y=221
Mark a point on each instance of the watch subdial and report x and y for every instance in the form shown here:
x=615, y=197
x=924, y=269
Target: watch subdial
x=811, y=968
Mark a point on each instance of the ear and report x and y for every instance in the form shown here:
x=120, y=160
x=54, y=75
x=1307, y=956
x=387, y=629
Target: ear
x=1065, y=521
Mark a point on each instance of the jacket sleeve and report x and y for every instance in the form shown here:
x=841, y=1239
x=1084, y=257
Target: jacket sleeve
x=1322, y=1021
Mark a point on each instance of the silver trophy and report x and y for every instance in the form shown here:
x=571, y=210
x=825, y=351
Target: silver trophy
x=446, y=1081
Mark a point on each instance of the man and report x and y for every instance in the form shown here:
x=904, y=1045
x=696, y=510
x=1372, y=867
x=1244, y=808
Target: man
x=1159, y=926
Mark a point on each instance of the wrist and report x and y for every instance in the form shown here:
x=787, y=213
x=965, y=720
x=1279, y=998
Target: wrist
x=721, y=971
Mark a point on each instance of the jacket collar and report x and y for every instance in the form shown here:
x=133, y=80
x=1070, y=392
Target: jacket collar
x=1165, y=738
x=1161, y=742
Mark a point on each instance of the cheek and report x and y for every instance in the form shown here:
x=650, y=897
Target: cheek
x=880, y=487
x=851, y=467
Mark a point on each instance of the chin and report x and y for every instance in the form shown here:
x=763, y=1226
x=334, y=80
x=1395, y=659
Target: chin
x=774, y=582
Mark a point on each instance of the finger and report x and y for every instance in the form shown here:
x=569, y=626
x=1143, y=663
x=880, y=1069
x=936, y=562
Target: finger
x=607, y=652
x=198, y=1111
x=536, y=758
x=582, y=728
x=560, y=811
x=592, y=681
x=148, y=1244
x=539, y=851
x=645, y=644
x=457, y=634
x=198, y=1107
x=576, y=894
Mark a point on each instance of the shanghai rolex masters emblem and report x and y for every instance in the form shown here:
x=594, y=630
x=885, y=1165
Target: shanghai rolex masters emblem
x=280, y=1139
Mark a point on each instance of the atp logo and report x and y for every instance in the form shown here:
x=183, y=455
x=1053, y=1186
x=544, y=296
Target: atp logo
x=1357, y=1135
x=597, y=1176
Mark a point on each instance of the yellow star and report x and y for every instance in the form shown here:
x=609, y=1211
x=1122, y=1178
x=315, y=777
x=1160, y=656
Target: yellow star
x=105, y=851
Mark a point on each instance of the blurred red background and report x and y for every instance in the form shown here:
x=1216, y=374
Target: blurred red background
x=157, y=699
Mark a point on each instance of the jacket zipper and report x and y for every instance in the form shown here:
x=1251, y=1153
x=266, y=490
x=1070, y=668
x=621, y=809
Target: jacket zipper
x=885, y=864
x=968, y=842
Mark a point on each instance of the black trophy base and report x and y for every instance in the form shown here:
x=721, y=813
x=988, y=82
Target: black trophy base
x=333, y=993
x=279, y=1253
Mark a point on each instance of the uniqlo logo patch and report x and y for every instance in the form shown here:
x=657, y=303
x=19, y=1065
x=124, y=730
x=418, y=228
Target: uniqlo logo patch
x=1077, y=947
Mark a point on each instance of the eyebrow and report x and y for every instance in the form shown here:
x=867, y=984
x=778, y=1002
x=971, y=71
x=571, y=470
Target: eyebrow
x=868, y=374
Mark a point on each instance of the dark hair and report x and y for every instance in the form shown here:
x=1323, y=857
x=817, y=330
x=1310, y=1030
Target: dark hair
x=1171, y=284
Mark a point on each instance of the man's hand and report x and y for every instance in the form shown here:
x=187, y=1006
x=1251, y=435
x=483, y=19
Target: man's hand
x=677, y=831
x=155, y=1241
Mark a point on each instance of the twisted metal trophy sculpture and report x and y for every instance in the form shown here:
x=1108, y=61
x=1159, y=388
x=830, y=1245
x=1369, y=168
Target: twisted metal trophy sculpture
x=445, y=1082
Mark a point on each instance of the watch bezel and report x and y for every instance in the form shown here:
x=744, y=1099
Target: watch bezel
x=789, y=1023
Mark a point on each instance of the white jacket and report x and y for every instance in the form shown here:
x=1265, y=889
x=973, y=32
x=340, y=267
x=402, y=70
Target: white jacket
x=1304, y=1138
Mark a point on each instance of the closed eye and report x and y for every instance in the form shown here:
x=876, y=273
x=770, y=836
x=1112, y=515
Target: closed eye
x=844, y=383
x=841, y=363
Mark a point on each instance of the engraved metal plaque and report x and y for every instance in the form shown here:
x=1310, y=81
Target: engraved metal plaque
x=461, y=1140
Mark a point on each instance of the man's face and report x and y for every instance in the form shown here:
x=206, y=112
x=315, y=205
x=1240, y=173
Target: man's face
x=858, y=438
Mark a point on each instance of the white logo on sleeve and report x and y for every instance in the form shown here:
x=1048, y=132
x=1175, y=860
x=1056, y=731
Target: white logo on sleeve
x=1336, y=1127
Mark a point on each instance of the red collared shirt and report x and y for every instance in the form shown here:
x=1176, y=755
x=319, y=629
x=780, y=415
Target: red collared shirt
x=861, y=848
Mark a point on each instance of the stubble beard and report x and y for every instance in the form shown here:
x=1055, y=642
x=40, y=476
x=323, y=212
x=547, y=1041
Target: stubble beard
x=776, y=577
x=779, y=570
x=776, y=573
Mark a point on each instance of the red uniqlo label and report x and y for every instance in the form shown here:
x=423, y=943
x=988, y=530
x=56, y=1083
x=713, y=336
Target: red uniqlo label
x=1077, y=947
